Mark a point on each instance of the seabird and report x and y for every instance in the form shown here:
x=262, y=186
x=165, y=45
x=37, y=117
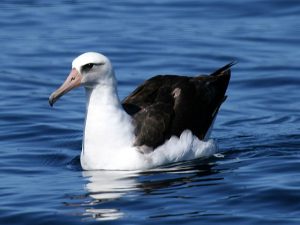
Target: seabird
x=166, y=119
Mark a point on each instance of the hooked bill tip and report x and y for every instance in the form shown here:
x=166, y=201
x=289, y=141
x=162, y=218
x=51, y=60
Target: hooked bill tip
x=51, y=100
x=50, y=103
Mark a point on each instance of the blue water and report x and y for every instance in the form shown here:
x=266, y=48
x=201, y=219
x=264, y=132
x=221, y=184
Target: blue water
x=255, y=180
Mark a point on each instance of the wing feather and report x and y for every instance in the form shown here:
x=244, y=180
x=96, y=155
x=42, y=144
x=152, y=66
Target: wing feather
x=166, y=105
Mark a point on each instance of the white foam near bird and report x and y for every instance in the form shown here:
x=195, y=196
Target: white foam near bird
x=119, y=135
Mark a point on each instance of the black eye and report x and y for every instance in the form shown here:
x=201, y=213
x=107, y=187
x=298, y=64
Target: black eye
x=87, y=67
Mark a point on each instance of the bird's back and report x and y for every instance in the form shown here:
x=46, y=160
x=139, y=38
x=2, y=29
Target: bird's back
x=166, y=105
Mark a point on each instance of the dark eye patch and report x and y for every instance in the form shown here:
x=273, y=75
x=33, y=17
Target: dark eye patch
x=89, y=66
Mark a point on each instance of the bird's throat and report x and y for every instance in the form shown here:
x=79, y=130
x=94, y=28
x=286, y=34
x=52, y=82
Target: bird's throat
x=107, y=127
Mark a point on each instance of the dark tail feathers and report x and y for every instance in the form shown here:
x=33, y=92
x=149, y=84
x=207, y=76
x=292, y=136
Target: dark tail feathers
x=223, y=69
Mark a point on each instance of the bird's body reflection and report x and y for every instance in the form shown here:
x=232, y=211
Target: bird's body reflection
x=111, y=191
x=107, y=186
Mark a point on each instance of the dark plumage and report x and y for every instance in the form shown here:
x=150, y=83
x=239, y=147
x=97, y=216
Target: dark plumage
x=166, y=105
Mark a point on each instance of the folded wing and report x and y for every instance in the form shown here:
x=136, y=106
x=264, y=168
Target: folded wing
x=166, y=105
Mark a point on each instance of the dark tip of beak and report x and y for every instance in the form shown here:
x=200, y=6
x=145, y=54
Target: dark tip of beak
x=50, y=103
x=52, y=100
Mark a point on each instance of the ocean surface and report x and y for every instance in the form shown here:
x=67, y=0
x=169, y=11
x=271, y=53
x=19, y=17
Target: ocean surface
x=255, y=179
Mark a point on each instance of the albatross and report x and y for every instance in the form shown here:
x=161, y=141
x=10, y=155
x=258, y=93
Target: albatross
x=166, y=119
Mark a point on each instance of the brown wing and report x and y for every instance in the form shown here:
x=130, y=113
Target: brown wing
x=166, y=105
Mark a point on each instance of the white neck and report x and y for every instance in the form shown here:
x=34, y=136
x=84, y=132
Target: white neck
x=108, y=127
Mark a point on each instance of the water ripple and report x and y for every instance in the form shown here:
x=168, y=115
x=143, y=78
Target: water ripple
x=253, y=180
